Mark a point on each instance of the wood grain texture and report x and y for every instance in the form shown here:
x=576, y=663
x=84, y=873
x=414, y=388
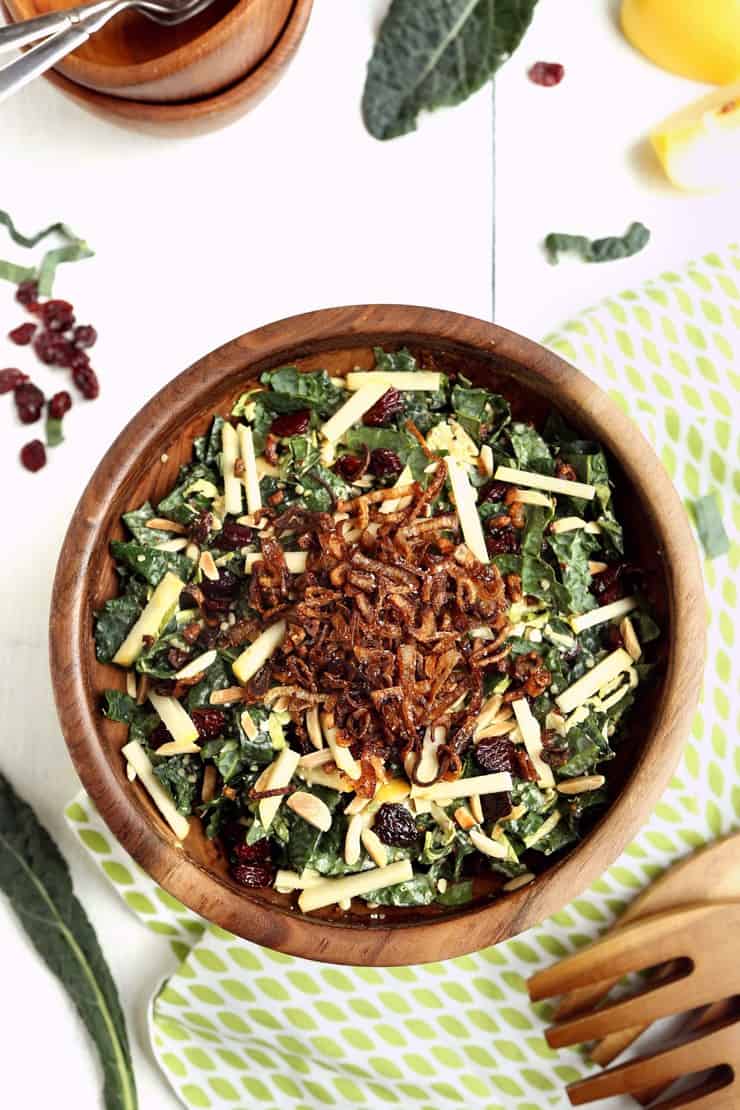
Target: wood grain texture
x=132, y=471
x=196, y=117
x=135, y=58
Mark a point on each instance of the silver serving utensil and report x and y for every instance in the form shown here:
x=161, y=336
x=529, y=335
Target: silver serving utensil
x=63, y=31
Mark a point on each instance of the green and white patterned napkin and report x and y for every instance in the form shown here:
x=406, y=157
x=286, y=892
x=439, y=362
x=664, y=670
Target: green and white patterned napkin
x=238, y=1024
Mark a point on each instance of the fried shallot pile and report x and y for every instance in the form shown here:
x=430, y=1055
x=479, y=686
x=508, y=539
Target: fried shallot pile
x=390, y=629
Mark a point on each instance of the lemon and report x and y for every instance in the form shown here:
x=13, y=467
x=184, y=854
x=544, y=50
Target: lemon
x=699, y=147
x=696, y=38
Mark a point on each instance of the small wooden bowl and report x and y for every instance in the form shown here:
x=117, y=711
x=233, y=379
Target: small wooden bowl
x=143, y=463
x=196, y=117
x=134, y=58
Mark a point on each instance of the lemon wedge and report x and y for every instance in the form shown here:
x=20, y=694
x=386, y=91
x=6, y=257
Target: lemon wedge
x=699, y=39
x=699, y=147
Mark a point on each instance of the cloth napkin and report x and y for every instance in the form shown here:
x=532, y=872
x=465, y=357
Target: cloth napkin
x=238, y=1024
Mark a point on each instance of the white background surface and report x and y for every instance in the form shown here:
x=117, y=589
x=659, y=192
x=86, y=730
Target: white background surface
x=292, y=208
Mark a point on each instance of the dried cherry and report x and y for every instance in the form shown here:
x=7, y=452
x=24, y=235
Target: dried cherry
x=384, y=409
x=395, y=826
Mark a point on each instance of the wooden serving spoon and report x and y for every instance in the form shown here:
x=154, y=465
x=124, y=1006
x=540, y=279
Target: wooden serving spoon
x=711, y=874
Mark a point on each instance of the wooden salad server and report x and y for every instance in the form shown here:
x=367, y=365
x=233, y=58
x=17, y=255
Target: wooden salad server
x=701, y=944
x=711, y=874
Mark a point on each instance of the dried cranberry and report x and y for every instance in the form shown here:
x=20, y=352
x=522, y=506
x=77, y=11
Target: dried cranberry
x=223, y=586
x=502, y=541
x=252, y=874
x=493, y=491
x=546, y=73
x=394, y=825
x=52, y=349
x=33, y=455
x=22, y=335
x=57, y=315
x=233, y=536
x=291, y=423
x=177, y=658
x=84, y=335
x=259, y=852
x=11, y=378
x=29, y=401
x=210, y=723
x=86, y=381
x=496, y=806
x=60, y=404
x=495, y=754
x=385, y=463
x=200, y=529
x=27, y=294
x=607, y=586
x=349, y=466
x=613, y=637
x=160, y=735
x=383, y=411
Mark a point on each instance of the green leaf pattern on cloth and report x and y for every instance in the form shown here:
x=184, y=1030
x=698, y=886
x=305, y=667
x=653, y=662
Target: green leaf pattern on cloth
x=238, y=1025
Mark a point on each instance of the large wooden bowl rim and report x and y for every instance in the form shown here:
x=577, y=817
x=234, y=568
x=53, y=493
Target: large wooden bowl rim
x=229, y=102
x=463, y=931
x=99, y=73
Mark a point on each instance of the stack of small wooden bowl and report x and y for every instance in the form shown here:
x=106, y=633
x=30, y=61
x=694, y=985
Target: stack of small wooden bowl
x=192, y=77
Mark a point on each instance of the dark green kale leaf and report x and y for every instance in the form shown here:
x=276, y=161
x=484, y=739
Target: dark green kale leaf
x=227, y=756
x=537, y=519
x=598, y=250
x=394, y=362
x=457, y=894
x=304, y=838
x=587, y=748
x=259, y=750
x=322, y=488
x=479, y=411
x=184, y=503
x=207, y=448
x=136, y=520
x=417, y=891
x=559, y=837
x=573, y=551
x=302, y=454
x=539, y=580
x=36, y=880
x=291, y=391
x=435, y=54
x=118, y=706
x=149, y=564
x=215, y=678
x=182, y=776
x=114, y=622
x=530, y=450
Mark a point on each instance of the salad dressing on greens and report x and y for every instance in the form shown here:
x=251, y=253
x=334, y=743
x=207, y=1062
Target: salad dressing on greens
x=380, y=638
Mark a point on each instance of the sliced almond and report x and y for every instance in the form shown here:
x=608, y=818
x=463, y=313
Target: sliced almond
x=161, y=524
x=208, y=566
x=316, y=759
x=317, y=776
x=374, y=847
x=352, y=843
x=476, y=808
x=208, y=789
x=597, y=567
x=172, y=545
x=278, y=775
x=225, y=697
x=343, y=757
x=131, y=684
x=313, y=726
x=358, y=805
x=464, y=818
x=311, y=809
x=581, y=785
x=631, y=642
x=248, y=724
x=486, y=459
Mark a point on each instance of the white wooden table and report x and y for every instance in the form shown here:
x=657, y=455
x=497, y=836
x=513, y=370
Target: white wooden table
x=292, y=208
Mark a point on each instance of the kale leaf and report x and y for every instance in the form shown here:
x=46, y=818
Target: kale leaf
x=572, y=551
x=291, y=391
x=150, y=564
x=530, y=450
x=709, y=525
x=118, y=706
x=113, y=622
x=136, y=520
x=612, y=247
x=479, y=411
x=180, y=775
x=436, y=54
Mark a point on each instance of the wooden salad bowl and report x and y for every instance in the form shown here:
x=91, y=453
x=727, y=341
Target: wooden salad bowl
x=187, y=118
x=143, y=463
x=134, y=58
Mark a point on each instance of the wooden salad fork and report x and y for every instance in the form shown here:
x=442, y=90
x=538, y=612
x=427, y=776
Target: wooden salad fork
x=700, y=943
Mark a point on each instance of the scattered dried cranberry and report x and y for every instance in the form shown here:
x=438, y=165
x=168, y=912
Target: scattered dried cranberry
x=495, y=754
x=493, y=491
x=223, y=586
x=394, y=825
x=86, y=381
x=200, y=529
x=233, y=536
x=60, y=404
x=546, y=73
x=22, y=335
x=259, y=852
x=503, y=541
x=27, y=294
x=160, y=735
x=613, y=637
x=177, y=658
x=383, y=411
x=496, y=806
x=11, y=378
x=210, y=723
x=349, y=466
x=385, y=463
x=607, y=586
x=291, y=423
x=29, y=401
x=252, y=874
x=33, y=455
x=52, y=349
x=84, y=335
x=57, y=315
